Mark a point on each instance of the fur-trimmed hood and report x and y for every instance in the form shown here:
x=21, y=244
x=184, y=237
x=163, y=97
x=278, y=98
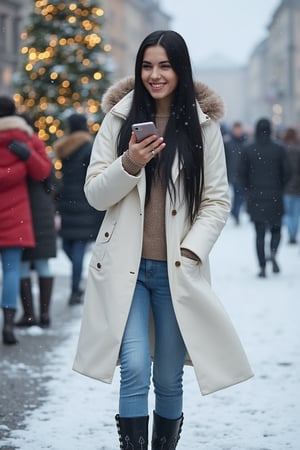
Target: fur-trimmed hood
x=209, y=102
x=15, y=123
x=70, y=143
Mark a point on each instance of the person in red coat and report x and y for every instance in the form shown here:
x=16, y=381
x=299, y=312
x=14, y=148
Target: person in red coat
x=19, y=159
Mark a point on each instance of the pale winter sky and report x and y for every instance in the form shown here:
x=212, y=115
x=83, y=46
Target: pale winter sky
x=229, y=28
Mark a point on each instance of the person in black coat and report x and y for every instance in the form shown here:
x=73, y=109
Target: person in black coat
x=264, y=172
x=37, y=258
x=233, y=151
x=79, y=221
x=41, y=196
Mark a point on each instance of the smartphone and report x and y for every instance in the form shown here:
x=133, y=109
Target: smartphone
x=143, y=130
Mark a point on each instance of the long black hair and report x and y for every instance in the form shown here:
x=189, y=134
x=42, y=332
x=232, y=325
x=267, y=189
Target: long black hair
x=183, y=131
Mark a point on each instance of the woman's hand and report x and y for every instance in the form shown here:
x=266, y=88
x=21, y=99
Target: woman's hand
x=142, y=152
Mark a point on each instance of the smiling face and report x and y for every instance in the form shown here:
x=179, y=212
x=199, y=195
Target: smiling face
x=158, y=77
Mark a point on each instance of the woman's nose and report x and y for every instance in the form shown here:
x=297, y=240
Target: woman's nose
x=155, y=73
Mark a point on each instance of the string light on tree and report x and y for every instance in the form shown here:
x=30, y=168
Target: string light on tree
x=63, y=65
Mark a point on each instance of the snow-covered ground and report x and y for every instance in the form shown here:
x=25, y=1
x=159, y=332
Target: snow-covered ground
x=260, y=414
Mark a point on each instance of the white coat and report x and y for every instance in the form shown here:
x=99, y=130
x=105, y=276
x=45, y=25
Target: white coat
x=213, y=346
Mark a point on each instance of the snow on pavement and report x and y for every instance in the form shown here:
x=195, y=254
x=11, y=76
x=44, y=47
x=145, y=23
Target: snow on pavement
x=260, y=414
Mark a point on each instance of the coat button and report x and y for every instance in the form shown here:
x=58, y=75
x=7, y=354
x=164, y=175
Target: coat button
x=177, y=263
x=106, y=234
x=98, y=265
x=174, y=212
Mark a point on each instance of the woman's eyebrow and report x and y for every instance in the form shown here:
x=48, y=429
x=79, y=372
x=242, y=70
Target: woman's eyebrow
x=160, y=62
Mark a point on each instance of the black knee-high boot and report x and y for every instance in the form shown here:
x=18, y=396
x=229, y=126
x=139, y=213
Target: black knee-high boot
x=166, y=432
x=28, y=318
x=275, y=266
x=133, y=432
x=46, y=286
x=8, y=326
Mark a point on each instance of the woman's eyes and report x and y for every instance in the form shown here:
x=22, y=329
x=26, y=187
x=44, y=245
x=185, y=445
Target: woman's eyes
x=162, y=66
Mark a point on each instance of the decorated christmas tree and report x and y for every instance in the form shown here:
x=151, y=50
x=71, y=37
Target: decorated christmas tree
x=62, y=65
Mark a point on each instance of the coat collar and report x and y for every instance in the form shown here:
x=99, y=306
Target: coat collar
x=70, y=143
x=15, y=122
x=118, y=99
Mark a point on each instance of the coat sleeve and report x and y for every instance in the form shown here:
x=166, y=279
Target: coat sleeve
x=215, y=203
x=106, y=180
x=38, y=165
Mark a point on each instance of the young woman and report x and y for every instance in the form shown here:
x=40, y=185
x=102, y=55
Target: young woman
x=167, y=202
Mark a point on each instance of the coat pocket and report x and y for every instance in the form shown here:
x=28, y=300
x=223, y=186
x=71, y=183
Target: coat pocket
x=189, y=262
x=192, y=271
x=101, y=245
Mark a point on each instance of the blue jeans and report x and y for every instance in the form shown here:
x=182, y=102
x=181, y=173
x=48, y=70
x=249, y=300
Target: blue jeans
x=152, y=291
x=292, y=214
x=75, y=250
x=41, y=266
x=11, y=263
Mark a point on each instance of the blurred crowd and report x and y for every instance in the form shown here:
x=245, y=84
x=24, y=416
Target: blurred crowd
x=264, y=175
x=38, y=209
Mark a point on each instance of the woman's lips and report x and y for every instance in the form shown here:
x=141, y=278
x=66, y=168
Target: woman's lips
x=157, y=86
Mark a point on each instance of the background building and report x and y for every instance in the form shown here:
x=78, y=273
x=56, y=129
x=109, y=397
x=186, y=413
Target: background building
x=11, y=23
x=258, y=96
x=229, y=81
x=283, y=64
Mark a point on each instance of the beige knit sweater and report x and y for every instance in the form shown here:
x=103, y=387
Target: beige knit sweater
x=154, y=237
x=154, y=240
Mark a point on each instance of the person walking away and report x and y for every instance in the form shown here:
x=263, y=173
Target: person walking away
x=80, y=222
x=292, y=190
x=41, y=196
x=19, y=159
x=264, y=173
x=167, y=200
x=233, y=152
